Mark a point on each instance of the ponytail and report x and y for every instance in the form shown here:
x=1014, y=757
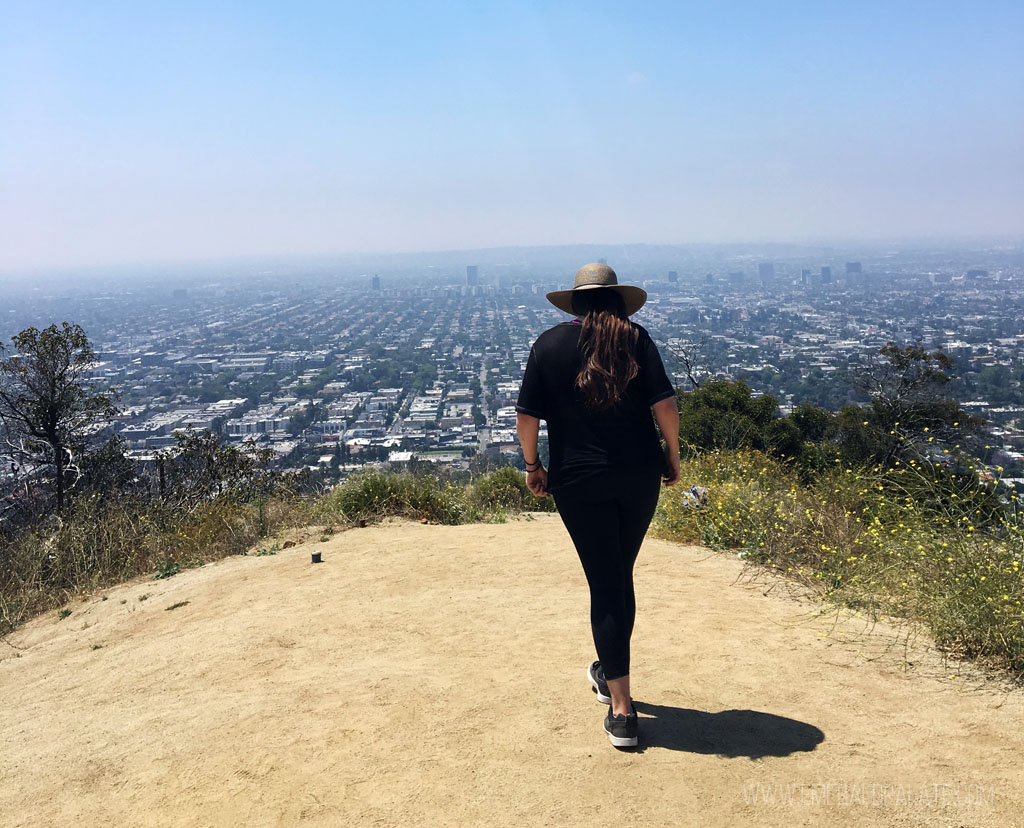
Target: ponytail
x=607, y=347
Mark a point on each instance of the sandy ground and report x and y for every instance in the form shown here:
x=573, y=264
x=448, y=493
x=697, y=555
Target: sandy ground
x=432, y=676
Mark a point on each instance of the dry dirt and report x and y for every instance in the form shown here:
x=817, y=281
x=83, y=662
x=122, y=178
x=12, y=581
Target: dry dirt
x=432, y=676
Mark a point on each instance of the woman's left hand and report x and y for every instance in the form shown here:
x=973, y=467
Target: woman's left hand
x=537, y=482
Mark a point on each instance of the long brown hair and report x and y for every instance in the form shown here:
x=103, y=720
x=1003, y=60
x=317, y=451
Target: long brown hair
x=607, y=345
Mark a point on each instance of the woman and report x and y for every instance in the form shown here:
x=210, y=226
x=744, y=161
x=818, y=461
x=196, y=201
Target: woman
x=595, y=380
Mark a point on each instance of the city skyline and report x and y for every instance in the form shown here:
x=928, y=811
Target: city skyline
x=337, y=373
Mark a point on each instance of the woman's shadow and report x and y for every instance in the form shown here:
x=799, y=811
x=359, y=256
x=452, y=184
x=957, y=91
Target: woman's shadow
x=729, y=733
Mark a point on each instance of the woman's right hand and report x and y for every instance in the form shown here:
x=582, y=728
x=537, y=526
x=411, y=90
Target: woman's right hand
x=671, y=473
x=537, y=482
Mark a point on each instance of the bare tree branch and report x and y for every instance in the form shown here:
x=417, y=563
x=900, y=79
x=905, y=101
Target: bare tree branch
x=693, y=358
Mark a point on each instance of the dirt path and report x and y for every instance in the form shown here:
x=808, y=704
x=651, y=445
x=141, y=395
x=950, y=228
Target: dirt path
x=433, y=676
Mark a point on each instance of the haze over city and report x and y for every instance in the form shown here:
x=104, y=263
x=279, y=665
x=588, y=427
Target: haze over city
x=176, y=132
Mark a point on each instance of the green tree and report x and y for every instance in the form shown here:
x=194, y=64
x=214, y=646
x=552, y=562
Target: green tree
x=814, y=423
x=49, y=406
x=817, y=430
x=725, y=414
x=909, y=407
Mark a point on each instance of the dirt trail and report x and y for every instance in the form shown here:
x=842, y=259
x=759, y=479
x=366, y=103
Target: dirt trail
x=432, y=676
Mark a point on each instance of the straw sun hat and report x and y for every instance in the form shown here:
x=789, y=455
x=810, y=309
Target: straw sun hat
x=593, y=276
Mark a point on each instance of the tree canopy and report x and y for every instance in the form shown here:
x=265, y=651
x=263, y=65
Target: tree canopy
x=49, y=406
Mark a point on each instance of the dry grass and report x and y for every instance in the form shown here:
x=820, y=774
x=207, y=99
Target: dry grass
x=902, y=543
x=98, y=542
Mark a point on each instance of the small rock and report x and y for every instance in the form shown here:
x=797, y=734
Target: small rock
x=288, y=544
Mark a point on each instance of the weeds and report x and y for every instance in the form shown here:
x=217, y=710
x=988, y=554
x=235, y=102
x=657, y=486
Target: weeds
x=167, y=568
x=907, y=542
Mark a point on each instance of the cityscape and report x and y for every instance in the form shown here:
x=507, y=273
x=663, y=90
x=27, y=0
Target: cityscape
x=271, y=551
x=334, y=367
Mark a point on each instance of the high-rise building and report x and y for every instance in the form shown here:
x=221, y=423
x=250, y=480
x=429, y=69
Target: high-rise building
x=736, y=278
x=853, y=268
x=375, y=282
x=766, y=271
x=472, y=275
x=826, y=274
x=709, y=278
x=673, y=276
x=805, y=276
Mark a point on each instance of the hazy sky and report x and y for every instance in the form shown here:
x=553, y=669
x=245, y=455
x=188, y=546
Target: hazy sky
x=143, y=130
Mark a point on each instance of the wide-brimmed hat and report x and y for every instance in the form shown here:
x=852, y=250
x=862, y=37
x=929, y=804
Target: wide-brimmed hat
x=593, y=276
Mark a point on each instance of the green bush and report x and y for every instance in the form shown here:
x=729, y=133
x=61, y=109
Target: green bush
x=724, y=414
x=505, y=490
x=373, y=495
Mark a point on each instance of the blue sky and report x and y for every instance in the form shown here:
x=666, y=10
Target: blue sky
x=159, y=131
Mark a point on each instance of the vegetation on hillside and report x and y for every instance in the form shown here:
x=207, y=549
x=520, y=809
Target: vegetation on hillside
x=905, y=542
x=878, y=507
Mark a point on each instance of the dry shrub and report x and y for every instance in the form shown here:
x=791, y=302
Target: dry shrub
x=98, y=542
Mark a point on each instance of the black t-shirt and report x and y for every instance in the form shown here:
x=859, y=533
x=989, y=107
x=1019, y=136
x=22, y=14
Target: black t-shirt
x=584, y=442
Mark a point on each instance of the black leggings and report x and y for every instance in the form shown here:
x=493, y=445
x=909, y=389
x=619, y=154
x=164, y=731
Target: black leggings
x=607, y=517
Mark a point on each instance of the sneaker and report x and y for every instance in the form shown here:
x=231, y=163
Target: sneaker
x=596, y=676
x=622, y=730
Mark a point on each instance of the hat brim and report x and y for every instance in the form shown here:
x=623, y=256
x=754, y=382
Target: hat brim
x=633, y=297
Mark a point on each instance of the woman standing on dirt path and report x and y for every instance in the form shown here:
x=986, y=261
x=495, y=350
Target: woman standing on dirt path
x=595, y=380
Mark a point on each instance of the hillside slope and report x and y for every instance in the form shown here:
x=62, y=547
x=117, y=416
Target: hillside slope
x=429, y=675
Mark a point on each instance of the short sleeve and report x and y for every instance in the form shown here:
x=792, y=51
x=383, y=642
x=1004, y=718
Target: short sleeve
x=655, y=382
x=531, y=393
